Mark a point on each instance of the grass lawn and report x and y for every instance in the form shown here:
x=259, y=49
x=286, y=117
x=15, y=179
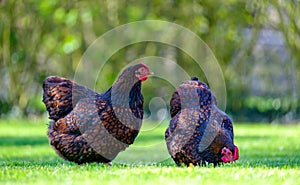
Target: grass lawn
x=269, y=154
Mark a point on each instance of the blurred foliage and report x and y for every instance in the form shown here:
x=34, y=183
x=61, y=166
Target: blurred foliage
x=42, y=38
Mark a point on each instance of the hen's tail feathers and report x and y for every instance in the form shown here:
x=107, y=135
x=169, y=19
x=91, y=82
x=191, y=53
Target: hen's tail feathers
x=61, y=95
x=194, y=78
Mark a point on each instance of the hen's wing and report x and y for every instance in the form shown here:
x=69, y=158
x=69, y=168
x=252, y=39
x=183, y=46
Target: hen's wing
x=80, y=135
x=175, y=104
x=61, y=95
x=227, y=125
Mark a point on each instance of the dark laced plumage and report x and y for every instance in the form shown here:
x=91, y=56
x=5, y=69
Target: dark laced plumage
x=185, y=137
x=89, y=127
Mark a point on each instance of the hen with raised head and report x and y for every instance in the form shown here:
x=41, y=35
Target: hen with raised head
x=92, y=127
x=199, y=132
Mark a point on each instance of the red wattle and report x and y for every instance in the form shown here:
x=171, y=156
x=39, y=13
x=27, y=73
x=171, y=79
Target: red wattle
x=236, y=153
x=143, y=78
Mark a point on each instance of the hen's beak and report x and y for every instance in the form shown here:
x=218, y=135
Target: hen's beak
x=150, y=73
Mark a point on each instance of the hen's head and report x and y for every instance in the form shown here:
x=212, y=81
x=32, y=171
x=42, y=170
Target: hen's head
x=229, y=155
x=142, y=71
x=137, y=72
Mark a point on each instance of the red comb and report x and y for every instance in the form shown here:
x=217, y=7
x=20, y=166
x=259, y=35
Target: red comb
x=144, y=65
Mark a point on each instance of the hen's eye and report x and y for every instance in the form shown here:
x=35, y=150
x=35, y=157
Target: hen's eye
x=142, y=70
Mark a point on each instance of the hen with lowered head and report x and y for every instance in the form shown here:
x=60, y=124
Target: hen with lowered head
x=92, y=127
x=199, y=132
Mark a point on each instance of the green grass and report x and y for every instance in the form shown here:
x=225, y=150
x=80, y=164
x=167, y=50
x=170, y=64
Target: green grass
x=269, y=154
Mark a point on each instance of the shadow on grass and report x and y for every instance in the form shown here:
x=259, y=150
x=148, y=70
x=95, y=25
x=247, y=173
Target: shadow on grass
x=21, y=141
x=287, y=158
x=282, y=162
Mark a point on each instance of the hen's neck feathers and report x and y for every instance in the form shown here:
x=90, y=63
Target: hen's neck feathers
x=124, y=92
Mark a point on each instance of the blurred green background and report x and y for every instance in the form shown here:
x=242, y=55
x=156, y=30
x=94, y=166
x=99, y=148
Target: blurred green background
x=257, y=44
